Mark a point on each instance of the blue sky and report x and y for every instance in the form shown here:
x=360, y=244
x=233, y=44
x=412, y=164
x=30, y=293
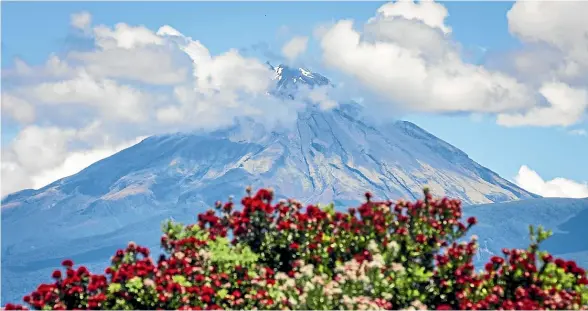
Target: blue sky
x=32, y=32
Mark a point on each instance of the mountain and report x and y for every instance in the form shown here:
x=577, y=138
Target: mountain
x=328, y=156
x=506, y=225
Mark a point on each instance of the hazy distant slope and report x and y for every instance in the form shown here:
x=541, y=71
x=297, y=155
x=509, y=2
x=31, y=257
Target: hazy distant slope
x=506, y=225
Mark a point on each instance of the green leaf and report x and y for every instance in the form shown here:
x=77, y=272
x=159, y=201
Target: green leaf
x=135, y=282
x=114, y=287
x=222, y=293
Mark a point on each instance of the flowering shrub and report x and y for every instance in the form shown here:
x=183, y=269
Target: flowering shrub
x=381, y=255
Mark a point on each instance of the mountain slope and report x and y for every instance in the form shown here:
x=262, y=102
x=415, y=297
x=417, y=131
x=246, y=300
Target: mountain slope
x=506, y=225
x=328, y=156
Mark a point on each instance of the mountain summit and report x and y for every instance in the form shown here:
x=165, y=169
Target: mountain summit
x=289, y=79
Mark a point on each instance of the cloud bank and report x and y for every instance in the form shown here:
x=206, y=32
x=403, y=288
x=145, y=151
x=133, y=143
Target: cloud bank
x=406, y=55
x=295, y=47
x=559, y=187
x=136, y=82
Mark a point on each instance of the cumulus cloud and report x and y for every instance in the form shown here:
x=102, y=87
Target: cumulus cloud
x=556, y=58
x=76, y=161
x=405, y=55
x=22, y=167
x=81, y=20
x=295, y=47
x=124, y=36
x=561, y=25
x=54, y=68
x=529, y=180
x=406, y=75
x=23, y=157
x=18, y=109
x=320, y=96
x=134, y=64
x=220, y=83
x=567, y=106
x=76, y=109
x=429, y=13
x=110, y=98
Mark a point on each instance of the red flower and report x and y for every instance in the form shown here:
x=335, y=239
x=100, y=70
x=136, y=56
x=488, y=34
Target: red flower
x=82, y=271
x=497, y=260
x=68, y=263
x=560, y=263
x=444, y=307
x=472, y=221
x=56, y=274
x=294, y=246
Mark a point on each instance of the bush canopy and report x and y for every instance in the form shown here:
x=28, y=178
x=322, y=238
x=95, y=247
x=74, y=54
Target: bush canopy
x=381, y=255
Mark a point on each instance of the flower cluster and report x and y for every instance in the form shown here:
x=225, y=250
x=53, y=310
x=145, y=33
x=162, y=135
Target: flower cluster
x=381, y=255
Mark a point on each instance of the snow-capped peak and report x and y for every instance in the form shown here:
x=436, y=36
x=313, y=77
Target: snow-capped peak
x=288, y=77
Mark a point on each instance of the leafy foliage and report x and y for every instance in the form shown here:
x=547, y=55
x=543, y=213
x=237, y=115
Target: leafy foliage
x=381, y=255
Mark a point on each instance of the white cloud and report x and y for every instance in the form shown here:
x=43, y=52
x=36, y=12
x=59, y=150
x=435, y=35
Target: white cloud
x=33, y=150
x=417, y=81
x=225, y=86
x=567, y=106
x=556, y=58
x=125, y=37
x=134, y=53
x=295, y=47
x=107, y=96
x=14, y=178
x=427, y=42
x=81, y=20
x=18, y=108
x=324, y=96
x=406, y=56
x=167, y=30
x=561, y=24
x=89, y=104
x=34, y=141
x=149, y=65
x=53, y=68
x=557, y=187
x=40, y=155
x=77, y=161
x=429, y=13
